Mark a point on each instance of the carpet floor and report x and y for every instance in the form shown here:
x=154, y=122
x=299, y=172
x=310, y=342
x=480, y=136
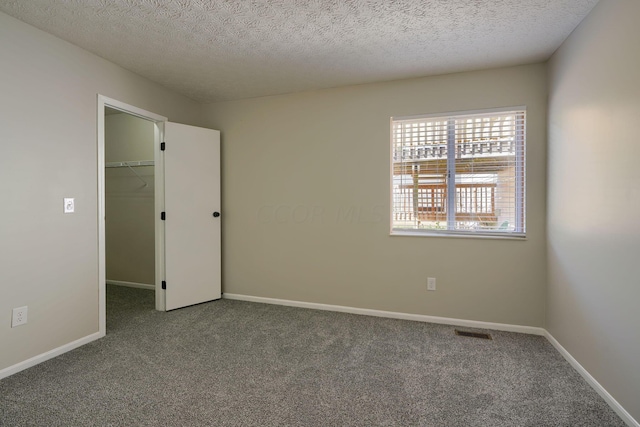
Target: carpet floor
x=234, y=363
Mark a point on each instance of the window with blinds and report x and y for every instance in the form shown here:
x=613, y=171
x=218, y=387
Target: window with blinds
x=459, y=174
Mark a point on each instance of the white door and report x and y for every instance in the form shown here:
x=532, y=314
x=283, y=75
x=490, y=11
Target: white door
x=192, y=219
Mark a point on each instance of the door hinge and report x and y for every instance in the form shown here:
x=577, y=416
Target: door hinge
x=164, y=284
x=163, y=216
x=162, y=146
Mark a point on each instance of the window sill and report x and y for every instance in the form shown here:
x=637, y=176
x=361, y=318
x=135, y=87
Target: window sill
x=411, y=233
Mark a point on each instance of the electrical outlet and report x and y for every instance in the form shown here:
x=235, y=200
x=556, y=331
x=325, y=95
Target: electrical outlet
x=19, y=316
x=431, y=283
x=69, y=205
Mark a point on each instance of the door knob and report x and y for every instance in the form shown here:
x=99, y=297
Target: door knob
x=216, y=214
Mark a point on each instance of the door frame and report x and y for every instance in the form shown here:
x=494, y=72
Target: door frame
x=159, y=124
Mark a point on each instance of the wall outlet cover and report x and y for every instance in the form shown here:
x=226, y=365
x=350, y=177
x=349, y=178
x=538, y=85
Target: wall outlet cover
x=19, y=316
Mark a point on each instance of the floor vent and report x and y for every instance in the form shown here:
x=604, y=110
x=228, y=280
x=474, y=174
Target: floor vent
x=473, y=334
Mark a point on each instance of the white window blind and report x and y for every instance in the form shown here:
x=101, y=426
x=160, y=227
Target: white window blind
x=460, y=173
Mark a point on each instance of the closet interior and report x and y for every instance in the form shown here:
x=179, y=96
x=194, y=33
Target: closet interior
x=129, y=200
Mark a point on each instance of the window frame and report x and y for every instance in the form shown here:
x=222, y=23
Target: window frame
x=520, y=175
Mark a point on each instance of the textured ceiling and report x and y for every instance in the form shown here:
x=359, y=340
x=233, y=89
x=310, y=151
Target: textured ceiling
x=214, y=50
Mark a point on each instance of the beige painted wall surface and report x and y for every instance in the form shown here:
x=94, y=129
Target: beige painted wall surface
x=48, y=113
x=306, y=202
x=128, y=137
x=594, y=198
x=129, y=203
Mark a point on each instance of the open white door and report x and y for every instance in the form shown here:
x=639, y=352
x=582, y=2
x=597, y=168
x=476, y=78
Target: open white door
x=192, y=219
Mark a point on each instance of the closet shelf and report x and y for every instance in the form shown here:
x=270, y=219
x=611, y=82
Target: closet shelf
x=129, y=164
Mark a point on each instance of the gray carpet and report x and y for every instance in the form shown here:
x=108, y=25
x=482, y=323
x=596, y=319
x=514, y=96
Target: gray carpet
x=232, y=363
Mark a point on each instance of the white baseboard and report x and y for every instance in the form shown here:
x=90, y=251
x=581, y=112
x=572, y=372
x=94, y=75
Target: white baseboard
x=130, y=284
x=622, y=413
x=392, y=314
x=48, y=355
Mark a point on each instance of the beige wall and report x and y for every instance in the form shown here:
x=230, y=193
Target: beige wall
x=594, y=198
x=129, y=203
x=48, y=110
x=127, y=137
x=306, y=202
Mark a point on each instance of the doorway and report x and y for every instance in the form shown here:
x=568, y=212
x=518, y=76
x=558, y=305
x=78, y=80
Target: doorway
x=130, y=191
x=129, y=204
x=129, y=201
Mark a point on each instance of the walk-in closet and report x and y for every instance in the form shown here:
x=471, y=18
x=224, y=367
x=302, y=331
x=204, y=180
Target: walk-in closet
x=129, y=200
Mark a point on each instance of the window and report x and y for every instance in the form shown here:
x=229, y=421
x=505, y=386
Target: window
x=459, y=174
